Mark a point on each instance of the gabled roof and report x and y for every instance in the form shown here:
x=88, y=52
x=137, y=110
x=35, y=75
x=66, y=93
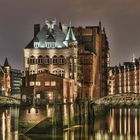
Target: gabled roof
x=50, y=38
x=45, y=35
x=30, y=45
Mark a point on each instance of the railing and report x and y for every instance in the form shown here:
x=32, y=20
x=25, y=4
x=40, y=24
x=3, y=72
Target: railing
x=119, y=99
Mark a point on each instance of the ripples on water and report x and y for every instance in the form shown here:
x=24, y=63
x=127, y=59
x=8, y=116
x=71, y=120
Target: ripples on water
x=117, y=124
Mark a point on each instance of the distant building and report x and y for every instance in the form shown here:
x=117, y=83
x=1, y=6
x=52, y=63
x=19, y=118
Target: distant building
x=125, y=78
x=76, y=54
x=15, y=81
x=1, y=80
x=10, y=82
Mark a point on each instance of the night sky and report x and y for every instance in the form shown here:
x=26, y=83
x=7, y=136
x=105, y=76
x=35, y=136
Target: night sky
x=121, y=18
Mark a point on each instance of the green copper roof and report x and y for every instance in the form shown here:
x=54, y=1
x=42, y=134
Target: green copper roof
x=70, y=35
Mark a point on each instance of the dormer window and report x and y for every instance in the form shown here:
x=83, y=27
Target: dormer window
x=50, y=44
x=36, y=44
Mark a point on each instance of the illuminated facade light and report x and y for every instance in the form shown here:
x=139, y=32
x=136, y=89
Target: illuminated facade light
x=53, y=83
x=32, y=83
x=47, y=83
x=56, y=52
x=125, y=80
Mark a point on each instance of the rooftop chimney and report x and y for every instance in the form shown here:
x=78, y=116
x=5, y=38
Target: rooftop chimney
x=36, y=29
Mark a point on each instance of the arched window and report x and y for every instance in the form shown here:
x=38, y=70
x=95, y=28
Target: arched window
x=61, y=59
x=40, y=60
x=55, y=59
x=32, y=60
x=46, y=60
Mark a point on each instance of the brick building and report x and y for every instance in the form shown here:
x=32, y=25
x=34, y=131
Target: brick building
x=94, y=59
x=48, y=88
x=77, y=54
x=125, y=78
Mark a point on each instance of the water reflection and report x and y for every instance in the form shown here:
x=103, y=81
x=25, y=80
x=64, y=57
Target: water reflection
x=69, y=122
x=9, y=123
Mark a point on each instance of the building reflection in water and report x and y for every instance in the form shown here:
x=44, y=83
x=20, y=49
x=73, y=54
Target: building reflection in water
x=9, y=123
x=117, y=124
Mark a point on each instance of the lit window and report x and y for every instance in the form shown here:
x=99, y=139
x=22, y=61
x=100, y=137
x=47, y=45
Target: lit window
x=32, y=83
x=38, y=96
x=50, y=95
x=53, y=83
x=36, y=44
x=38, y=83
x=60, y=73
x=47, y=83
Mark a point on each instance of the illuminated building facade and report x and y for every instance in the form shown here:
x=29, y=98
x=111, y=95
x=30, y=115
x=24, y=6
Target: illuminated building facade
x=10, y=82
x=77, y=54
x=125, y=78
x=47, y=88
x=93, y=60
x=54, y=52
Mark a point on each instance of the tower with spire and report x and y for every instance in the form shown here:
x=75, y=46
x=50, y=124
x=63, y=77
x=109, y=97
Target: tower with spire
x=71, y=42
x=7, y=77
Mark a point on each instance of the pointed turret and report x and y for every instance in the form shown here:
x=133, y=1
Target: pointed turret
x=70, y=39
x=100, y=26
x=6, y=64
x=70, y=35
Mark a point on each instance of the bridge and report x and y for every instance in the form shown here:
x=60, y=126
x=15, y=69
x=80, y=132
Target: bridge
x=119, y=99
x=7, y=100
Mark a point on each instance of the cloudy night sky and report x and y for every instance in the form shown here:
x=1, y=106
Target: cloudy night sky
x=121, y=19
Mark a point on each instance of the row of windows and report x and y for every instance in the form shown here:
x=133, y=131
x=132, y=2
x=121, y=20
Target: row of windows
x=48, y=45
x=47, y=83
x=46, y=60
x=60, y=72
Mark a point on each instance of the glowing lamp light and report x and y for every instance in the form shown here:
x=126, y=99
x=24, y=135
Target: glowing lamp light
x=33, y=110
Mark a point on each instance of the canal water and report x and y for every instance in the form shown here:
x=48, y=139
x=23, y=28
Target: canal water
x=69, y=123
